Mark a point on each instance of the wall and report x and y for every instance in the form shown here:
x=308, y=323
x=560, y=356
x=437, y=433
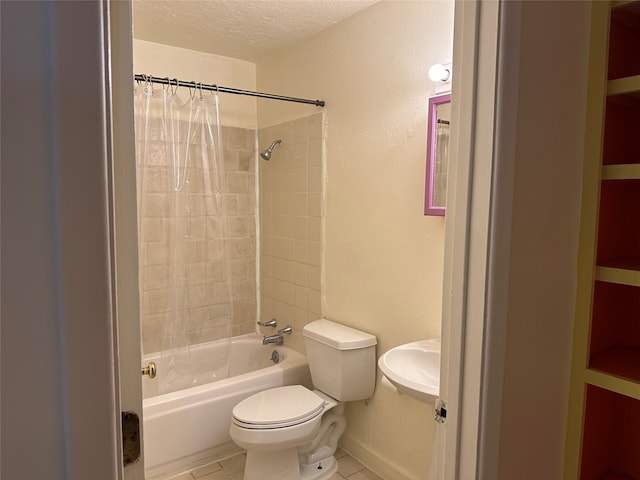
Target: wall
x=290, y=225
x=206, y=309
x=174, y=62
x=382, y=259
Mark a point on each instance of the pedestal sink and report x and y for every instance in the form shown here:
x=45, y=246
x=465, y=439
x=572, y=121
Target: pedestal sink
x=414, y=369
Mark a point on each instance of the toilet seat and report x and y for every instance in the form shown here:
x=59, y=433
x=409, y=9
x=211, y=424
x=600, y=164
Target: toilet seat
x=278, y=408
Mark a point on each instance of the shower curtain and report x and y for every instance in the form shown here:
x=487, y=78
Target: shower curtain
x=184, y=282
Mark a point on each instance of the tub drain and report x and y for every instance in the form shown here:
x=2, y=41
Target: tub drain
x=275, y=356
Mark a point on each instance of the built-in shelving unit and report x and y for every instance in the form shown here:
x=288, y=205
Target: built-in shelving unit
x=603, y=440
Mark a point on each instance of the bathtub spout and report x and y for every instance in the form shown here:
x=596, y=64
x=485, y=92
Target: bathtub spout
x=276, y=339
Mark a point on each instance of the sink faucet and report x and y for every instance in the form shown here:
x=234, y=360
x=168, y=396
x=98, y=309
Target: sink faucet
x=278, y=338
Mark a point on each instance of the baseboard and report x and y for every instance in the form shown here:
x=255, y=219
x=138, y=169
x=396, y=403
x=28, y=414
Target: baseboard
x=375, y=461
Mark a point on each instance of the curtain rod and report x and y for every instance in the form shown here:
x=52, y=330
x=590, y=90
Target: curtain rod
x=218, y=88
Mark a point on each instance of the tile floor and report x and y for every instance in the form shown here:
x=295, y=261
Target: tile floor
x=233, y=469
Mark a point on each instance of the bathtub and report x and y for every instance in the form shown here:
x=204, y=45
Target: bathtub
x=185, y=427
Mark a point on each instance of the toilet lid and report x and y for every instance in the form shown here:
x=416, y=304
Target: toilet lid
x=278, y=407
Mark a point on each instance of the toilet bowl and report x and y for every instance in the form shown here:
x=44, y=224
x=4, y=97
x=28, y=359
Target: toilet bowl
x=282, y=430
x=291, y=432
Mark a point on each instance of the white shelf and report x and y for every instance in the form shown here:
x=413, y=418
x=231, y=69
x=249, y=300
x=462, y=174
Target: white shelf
x=629, y=171
x=622, y=3
x=624, y=276
x=621, y=361
x=624, y=85
x=612, y=383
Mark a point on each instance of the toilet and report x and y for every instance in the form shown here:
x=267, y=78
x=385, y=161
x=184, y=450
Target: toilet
x=291, y=432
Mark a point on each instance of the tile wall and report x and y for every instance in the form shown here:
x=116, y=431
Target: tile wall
x=210, y=299
x=290, y=225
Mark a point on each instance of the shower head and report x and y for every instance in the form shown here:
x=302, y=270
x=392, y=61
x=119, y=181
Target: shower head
x=267, y=153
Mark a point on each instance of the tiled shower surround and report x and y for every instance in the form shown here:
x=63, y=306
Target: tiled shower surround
x=290, y=225
x=290, y=242
x=206, y=289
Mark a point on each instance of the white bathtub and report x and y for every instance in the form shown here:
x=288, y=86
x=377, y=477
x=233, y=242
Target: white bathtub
x=186, y=426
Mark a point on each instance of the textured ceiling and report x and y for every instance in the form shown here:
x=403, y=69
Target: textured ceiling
x=244, y=29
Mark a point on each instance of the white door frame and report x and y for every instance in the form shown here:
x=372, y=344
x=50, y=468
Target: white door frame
x=476, y=244
x=471, y=271
x=124, y=234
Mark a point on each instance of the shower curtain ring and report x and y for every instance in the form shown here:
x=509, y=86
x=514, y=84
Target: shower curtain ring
x=192, y=89
x=148, y=86
x=174, y=88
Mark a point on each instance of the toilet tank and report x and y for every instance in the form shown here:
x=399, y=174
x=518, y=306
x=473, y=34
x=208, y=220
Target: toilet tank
x=342, y=360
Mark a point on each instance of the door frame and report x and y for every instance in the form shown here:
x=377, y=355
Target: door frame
x=124, y=221
x=470, y=235
x=477, y=237
x=499, y=49
x=467, y=236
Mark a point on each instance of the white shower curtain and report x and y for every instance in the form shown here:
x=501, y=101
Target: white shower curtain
x=185, y=285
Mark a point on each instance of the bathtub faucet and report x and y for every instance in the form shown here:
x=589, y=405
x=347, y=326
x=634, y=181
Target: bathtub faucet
x=271, y=323
x=278, y=338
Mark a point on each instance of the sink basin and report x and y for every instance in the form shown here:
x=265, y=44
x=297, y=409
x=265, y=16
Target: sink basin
x=414, y=369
